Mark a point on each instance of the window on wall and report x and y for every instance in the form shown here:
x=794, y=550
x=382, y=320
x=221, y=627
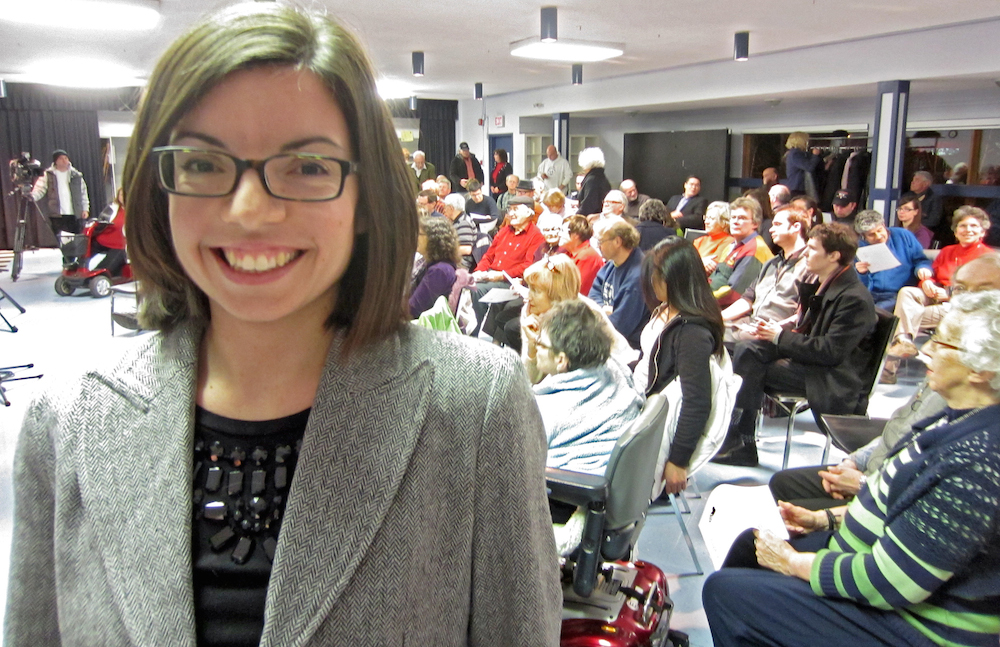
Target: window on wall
x=534, y=152
x=576, y=144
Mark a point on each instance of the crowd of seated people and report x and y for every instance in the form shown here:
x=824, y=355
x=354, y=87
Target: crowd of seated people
x=913, y=266
x=742, y=259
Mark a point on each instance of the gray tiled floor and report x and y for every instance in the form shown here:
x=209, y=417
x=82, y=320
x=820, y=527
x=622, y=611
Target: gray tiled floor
x=60, y=333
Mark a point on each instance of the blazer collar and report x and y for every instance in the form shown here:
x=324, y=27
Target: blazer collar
x=136, y=470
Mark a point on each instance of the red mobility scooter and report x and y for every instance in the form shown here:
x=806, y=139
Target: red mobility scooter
x=95, y=258
x=609, y=600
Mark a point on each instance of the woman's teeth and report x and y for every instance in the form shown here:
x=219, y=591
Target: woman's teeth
x=258, y=263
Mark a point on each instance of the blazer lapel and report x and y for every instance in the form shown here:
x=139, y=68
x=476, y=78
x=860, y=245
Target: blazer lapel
x=361, y=433
x=135, y=477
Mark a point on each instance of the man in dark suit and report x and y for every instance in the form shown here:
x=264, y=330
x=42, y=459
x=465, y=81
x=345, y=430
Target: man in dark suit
x=688, y=209
x=464, y=167
x=823, y=357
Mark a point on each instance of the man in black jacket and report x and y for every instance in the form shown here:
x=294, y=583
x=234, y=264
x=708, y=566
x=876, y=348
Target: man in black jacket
x=464, y=167
x=823, y=357
x=688, y=208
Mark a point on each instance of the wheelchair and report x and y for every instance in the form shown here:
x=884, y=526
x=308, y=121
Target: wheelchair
x=608, y=599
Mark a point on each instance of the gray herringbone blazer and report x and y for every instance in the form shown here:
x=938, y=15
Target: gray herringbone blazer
x=417, y=514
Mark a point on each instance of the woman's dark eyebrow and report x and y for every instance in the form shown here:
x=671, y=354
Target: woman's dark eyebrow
x=300, y=143
x=208, y=139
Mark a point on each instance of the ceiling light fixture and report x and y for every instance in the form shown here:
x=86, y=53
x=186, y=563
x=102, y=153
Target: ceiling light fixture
x=84, y=15
x=550, y=25
x=479, y=91
x=393, y=89
x=413, y=103
x=75, y=72
x=578, y=74
x=742, y=46
x=3, y=89
x=566, y=50
x=418, y=63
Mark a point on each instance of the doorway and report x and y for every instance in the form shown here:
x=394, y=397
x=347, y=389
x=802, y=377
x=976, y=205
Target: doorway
x=505, y=142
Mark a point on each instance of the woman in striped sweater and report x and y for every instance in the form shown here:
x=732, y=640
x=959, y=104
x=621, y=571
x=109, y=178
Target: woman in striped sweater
x=915, y=558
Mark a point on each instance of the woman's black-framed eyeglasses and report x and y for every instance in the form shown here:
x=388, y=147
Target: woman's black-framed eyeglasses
x=202, y=173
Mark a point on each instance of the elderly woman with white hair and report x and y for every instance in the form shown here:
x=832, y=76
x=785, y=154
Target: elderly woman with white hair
x=915, y=558
x=713, y=244
x=595, y=183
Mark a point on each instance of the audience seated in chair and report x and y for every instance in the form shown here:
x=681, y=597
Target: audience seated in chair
x=774, y=295
x=821, y=486
x=683, y=333
x=920, y=308
x=617, y=286
x=744, y=258
x=575, y=241
x=823, y=357
x=551, y=281
x=713, y=244
x=913, y=265
x=585, y=396
x=915, y=558
x=438, y=244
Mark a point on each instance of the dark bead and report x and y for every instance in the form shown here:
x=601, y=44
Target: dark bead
x=257, y=527
x=243, y=550
x=270, y=545
x=237, y=456
x=235, y=482
x=215, y=450
x=238, y=515
x=298, y=446
x=278, y=500
x=259, y=455
x=195, y=471
x=257, y=482
x=215, y=510
x=199, y=445
x=258, y=506
x=276, y=514
x=281, y=477
x=281, y=453
x=245, y=525
x=214, y=479
x=221, y=538
x=199, y=494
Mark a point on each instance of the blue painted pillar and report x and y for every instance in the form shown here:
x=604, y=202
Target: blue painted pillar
x=888, y=146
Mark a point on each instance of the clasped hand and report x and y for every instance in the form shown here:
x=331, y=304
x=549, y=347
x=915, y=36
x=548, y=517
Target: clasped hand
x=842, y=481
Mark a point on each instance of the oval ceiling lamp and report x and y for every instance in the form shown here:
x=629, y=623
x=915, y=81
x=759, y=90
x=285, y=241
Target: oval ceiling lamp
x=578, y=74
x=741, y=48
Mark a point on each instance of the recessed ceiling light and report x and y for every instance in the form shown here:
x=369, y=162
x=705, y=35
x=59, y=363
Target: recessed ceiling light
x=76, y=72
x=566, y=50
x=82, y=15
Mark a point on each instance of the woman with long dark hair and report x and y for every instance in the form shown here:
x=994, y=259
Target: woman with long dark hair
x=498, y=176
x=684, y=331
x=910, y=215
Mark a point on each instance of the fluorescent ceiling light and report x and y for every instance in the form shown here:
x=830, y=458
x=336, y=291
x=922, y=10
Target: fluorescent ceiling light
x=393, y=89
x=75, y=72
x=566, y=50
x=81, y=14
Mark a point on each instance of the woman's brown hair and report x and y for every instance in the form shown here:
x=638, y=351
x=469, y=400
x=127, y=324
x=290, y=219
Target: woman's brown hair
x=370, y=303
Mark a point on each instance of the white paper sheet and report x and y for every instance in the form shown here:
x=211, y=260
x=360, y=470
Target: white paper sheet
x=879, y=257
x=730, y=510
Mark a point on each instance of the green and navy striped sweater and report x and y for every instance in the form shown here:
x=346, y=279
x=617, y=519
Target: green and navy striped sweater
x=923, y=537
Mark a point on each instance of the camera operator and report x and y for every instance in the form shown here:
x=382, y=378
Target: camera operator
x=61, y=194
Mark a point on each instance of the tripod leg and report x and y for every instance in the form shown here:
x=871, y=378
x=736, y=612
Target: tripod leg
x=15, y=268
x=11, y=326
x=4, y=295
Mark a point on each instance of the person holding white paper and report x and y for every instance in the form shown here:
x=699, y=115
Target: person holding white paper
x=912, y=265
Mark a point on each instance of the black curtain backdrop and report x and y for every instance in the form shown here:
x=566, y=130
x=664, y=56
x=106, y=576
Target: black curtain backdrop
x=39, y=119
x=437, y=128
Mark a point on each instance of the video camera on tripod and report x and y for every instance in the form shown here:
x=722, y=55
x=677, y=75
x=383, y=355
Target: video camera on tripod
x=24, y=171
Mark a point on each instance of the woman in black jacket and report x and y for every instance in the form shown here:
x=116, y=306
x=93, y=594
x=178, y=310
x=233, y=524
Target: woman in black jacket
x=595, y=183
x=690, y=330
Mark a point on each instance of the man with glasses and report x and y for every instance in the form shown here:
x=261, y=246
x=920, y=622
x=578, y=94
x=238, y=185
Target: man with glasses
x=745, y=257
x=913, y=265
x=821, y=486
x=618, y=285
x=481, y=208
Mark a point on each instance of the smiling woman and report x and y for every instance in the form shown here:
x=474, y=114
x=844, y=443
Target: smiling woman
x=287, y=460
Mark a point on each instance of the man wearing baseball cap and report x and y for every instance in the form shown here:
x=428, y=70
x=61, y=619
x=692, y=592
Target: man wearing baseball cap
x=844, y=207
x=61, y=194
x=464, y=167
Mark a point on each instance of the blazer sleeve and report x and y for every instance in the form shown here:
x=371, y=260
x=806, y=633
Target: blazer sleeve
x=31, y=616
x=851, y=320
x=515, y=564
